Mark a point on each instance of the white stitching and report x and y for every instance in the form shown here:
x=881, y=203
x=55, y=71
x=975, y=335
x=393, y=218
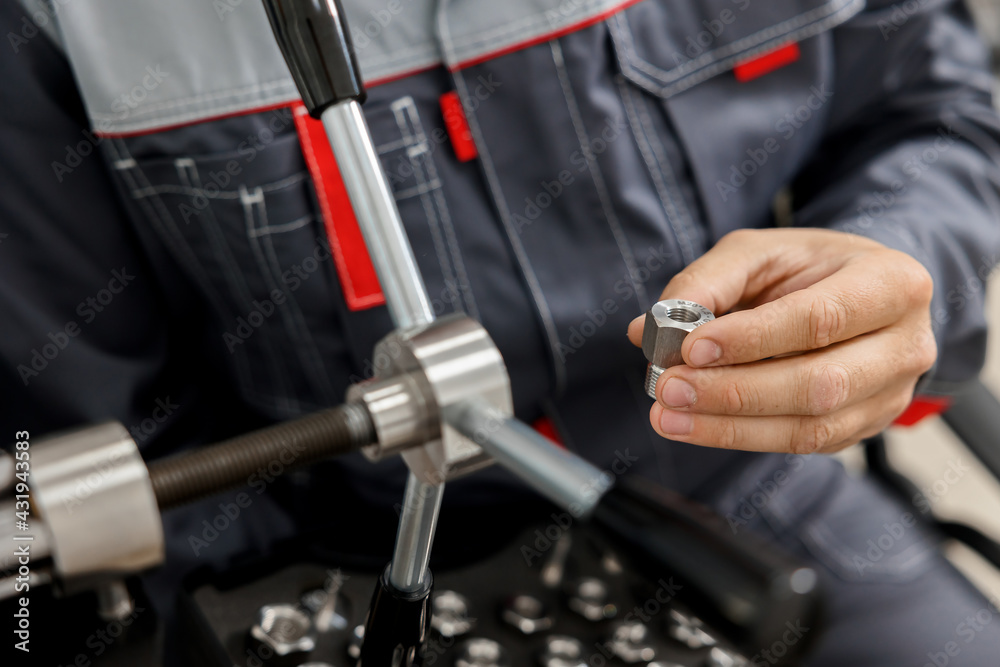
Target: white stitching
x=461, y=276
x=596, y=176
x=291, y=315
x=220, y=193
x=282, y=378
x=493, y=181
x=659, y=182
x=683, y=225
x=404, y=113
x=282, y=228
x=824, y=11
x=182, y=251
x=708, y=72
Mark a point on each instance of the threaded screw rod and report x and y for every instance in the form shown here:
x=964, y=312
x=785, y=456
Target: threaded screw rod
x=209, y=470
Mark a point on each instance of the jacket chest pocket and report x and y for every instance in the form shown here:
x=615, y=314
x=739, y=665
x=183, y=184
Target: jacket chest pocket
x=228, y=207
x=743, y=139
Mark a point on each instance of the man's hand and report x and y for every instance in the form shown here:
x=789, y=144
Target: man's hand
x=828, y=334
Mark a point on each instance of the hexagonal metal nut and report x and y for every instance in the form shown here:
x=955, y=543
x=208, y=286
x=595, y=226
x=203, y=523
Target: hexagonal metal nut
x=284, y=628
x=481, y=652
x=667, y=325
x=450, y=615
x=527, y=614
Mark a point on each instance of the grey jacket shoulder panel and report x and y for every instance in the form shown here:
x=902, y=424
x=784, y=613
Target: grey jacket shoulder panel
x=147, y=65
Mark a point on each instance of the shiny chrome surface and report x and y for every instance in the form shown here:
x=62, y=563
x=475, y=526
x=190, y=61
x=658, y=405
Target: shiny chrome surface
x=425, y=371
x=284, y=628
x=92, y=489
x=415, y=535
x=667, y=324
x=526, y=613
x=377, y=215
x=450, y=615
x=559, y=475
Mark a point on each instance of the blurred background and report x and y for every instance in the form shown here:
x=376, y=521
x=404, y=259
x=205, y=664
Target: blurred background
x=924, y=452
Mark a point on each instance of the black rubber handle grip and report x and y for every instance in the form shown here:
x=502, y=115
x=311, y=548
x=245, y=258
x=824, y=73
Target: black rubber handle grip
x=314, y=38
x=743, y=587
x=397, y=626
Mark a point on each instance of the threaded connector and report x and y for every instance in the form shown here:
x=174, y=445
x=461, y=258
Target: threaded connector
x=667, y=324
x=653, y=373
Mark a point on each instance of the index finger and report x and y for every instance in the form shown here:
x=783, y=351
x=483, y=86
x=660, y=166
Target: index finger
x=858, y=299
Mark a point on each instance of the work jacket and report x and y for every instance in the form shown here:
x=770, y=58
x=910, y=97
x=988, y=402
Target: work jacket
x=178, y=251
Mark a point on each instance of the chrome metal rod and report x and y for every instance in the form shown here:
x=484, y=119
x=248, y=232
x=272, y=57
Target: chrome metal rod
x=415, y=535
x=559, y=475
x=378, y=217
x=406, y=297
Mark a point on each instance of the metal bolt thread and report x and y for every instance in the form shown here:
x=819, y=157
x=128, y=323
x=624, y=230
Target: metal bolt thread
x=653, y=373
x=203, y=472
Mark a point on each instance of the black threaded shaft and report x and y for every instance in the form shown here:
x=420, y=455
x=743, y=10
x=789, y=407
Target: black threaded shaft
x=208, y=470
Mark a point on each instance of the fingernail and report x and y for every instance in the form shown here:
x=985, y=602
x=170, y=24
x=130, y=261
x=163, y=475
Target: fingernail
x=677, y=393
x=705, y=352
x=675, y=423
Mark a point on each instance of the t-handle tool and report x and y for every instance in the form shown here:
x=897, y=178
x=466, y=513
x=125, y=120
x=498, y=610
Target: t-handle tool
x=448, y=423
x=313, y=37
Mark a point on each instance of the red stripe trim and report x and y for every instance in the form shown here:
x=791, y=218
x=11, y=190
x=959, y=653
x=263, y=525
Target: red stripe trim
x=544, y=38
x=458, y=127
x=261, y=109
x=765, y=63
x=207, y=119
x=394, y=77
x=545, y=427
x=350, y=255
x=921, y=408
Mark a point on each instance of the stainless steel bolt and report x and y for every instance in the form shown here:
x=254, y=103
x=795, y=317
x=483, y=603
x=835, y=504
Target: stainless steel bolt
x=667, y=325
x=562, y=651
x=688, y=630
x=450, y=614
x=721, y=657
x=589, y=598
x=357, y=641
x=285, y=628
x=630, y=643
x=527, y=614
x=481, y=652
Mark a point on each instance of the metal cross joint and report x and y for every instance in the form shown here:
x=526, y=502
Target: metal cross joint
x=421, y=373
